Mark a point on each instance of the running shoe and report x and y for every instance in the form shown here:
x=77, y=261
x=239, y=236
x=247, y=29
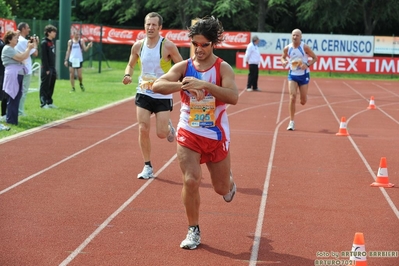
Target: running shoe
x=82, y=87
x=193, y=238
x=4, y=127
x=291, y=125
x=147, y=173
x=229, y=196
x=172, y=132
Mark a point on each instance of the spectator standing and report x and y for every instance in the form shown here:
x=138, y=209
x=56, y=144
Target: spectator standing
x=13, y=74
x=3, y=95
x=74, y=58
x=48, y=71
x=252, y=58
x=22, y=44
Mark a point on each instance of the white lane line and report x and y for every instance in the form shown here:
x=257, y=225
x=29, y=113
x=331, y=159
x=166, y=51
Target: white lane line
x=281, y=101
x=113, y=215
x=117, y=212
x=64, y=160
x=262, y=207
x=62, y=121
x=385, y=194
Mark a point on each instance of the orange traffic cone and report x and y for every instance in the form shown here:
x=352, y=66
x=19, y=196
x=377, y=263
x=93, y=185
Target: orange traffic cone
x=371, y=104
x=358, y=253
x=342, y=128
x=382, y=175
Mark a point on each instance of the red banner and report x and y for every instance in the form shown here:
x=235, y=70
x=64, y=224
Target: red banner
x=362, y=65
x=90, y=32
x=6, y=25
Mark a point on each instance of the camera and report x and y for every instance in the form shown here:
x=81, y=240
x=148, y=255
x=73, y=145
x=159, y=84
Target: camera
x=31, y=39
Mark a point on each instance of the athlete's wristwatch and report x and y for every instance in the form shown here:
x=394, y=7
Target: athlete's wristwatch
x=307, y=64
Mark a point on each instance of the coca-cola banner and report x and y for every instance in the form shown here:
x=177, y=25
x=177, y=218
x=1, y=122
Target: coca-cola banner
x=6, y=25
x=90, y=32
x=348, y=64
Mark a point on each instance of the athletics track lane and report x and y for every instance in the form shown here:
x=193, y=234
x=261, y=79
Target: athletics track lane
x=318, y=185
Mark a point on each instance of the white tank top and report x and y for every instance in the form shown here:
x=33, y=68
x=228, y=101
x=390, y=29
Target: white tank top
x=150, y=63
x=76, y=51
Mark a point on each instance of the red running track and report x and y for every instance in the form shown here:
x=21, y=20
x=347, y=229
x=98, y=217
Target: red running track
x=69, y=193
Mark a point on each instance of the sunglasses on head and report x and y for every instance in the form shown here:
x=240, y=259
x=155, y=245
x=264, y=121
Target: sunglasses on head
x=203, y=45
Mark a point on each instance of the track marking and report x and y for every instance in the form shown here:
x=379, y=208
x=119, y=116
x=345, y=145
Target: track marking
x=65, y=159
x=79, y=249
x=383, y=191
x=261, y=214
x=62, y=121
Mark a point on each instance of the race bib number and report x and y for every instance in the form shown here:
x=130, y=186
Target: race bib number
x=296, y=64
x=75, y=62
x=202, y=113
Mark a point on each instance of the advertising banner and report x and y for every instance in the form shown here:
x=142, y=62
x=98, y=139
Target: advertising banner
x=90, y=32
x=346, y=64
x=6, y=25
x=321, y=44
x=386, y=45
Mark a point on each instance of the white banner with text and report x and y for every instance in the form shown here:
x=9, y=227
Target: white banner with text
x=321, y=44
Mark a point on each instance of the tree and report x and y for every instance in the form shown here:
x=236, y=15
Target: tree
x=343, y=16
x=271, y=11
x=5, y=10
x=34, y=9
x=176, y=13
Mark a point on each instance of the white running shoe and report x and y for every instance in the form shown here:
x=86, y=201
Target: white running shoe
x=229, y=196
x=193, y=238
x=4, y=127
x=172, y=132
x=249, y=89
x=147, y=173
x=291, y=125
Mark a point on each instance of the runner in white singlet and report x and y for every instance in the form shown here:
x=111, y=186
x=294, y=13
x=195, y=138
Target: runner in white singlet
x=154, y=55
x=296, y=55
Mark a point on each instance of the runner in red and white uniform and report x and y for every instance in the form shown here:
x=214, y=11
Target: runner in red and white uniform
x=206, y=84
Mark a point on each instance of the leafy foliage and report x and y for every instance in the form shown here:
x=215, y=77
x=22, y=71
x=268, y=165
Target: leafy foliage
x=5, y=10
x=317, y=16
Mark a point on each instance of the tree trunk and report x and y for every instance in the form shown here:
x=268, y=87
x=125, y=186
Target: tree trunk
x=262, y=15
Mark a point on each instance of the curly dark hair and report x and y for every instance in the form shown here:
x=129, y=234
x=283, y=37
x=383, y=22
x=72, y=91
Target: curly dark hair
x=49, y=28
x=210, y=27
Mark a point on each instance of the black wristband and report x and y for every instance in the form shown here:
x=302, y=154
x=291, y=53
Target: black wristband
x=126, y=75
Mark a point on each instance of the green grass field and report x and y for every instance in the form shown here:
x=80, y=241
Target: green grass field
x=105, y=88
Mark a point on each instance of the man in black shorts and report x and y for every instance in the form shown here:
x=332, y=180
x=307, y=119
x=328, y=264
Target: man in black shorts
x=155, y=55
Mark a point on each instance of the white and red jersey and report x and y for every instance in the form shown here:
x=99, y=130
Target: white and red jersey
x=216, y=126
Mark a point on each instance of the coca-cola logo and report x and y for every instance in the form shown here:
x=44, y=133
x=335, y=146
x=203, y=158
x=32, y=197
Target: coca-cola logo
x=236, y=38
x=90, y=31
x=177, y=36
x=141, y=35
x=124, y=34
x=7, y=25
